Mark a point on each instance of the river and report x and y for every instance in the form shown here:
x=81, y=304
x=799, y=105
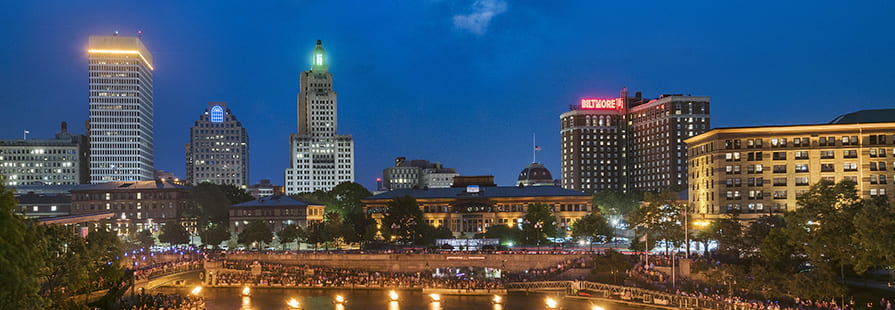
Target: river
x=318, y=299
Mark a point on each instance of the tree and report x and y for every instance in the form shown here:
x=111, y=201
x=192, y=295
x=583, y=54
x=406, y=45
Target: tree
x=616, y=205
x=347, y=201
x=822, y=230
x=255, y=231
x=289, y=234
x=610, y=265
x=506, y=234
x=174, y=233
x=211, y=204
x=21, y=256
x=592, y=227
x=759, y=230
x=234, y=194
x=402, y=219
x=145, y=238
x=538, y=224
x=427, y=234
x=728, y=232
x=214, y=235
x=335, y=229
x=875, y=219
x=659, y=218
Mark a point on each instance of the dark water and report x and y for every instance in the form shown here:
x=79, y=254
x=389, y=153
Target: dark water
x=315, y=299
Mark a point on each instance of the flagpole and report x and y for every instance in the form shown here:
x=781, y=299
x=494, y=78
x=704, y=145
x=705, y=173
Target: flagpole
x=534, y=149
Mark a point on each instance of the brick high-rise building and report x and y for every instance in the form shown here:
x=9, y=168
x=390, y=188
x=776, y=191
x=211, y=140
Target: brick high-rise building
x=630, y=143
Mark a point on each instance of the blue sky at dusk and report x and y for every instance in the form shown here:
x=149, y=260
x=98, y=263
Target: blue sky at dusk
x=463, y=82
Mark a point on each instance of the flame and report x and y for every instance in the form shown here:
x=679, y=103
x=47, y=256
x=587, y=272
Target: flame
x=497, y=299
x=197, y=290
x=435, y=297
x=292, y=303
x=551, y=303
x=392, y=295
x=246, y=290
x=340, y=299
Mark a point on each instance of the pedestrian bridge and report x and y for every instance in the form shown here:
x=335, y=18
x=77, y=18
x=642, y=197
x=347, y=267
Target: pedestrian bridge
x=183, y=277
x=624, y=294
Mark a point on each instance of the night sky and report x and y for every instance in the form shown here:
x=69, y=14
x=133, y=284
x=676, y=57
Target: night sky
x=463, y=82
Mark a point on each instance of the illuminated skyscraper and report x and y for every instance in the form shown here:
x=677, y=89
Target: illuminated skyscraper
x=218, y=151
x=121, y=109
x=320, y=158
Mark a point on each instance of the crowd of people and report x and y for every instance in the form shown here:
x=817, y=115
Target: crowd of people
x=163, y=301
x=161, y=269
x=238, y=273
x=647, y=276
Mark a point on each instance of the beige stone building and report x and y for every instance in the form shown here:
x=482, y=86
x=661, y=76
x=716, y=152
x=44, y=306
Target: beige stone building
x=763, y=170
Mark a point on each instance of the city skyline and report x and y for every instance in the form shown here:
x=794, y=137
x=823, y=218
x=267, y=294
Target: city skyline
x=459, y=86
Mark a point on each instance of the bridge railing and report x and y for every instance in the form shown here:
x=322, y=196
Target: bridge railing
x=625, y=293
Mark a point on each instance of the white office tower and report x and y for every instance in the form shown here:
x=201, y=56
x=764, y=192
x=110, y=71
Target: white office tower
x=121, y=110
x=321, y=158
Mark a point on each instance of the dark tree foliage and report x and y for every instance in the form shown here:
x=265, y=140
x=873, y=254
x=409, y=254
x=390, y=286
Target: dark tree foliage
x=235, y=194
x=21, y=257
x=427, y=234
x=210, y=204
x=610, y=265
x=617, y=204
x=174, y=234
x=291, y=233
x=255, y=231
x=506, y=234
x=593, y=227
x=402, y=219
x=214, y=235
x=660, y=218
x=728, y=232
x=145, y=239
x=538, y=224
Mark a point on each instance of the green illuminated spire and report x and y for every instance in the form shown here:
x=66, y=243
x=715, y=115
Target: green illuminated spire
x=318, y=63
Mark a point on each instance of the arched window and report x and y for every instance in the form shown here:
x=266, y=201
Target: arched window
x=217, y=114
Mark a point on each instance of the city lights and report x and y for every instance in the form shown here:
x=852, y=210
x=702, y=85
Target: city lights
x=132, y=52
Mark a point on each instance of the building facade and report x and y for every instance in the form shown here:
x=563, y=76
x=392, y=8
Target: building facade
x=417, y=173
x=121, y=109
x=59, y=161
x=137, y=205
x=757, y=171
x=630, y=143
x=33, y=205
x=264, y=189
x=320, y=157
x=278, y=211
x=218, y=151
x=471, y=209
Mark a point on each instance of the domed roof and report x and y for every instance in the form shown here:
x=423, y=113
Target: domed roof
x=535, y=174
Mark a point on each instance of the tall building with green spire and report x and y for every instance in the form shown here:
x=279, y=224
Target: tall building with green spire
x=321, y=158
